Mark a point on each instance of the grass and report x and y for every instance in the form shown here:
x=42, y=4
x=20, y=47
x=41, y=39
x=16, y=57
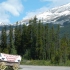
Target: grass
x=35, y=62
x=43, y=63
x=67, y=63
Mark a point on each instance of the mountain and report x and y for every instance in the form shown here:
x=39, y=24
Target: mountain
x=2, y=24
x=65, y=29
x=57, y=15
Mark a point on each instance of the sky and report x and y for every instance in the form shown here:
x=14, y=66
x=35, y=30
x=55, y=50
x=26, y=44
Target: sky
x=12, y=11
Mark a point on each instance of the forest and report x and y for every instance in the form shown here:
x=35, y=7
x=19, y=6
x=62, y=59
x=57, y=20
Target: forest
x=37, y=41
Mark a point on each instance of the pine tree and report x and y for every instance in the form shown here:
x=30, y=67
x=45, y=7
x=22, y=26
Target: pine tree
x=69, y=49
x=40, y=41
x=24, y=40
x=17, y=37
x=63, y=49
x=47, y=41
x=12, y=49
x=4, y=41
x=34, y=38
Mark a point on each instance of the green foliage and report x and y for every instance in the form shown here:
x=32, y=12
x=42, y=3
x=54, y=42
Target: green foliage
x=65, y=29
x=44, y=63
x=3, y=40
x=9, y=68
x=36, y=62
x=27, y=54
x=37, y=42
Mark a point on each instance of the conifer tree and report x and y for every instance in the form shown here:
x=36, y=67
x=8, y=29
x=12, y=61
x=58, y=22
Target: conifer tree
x=40, y=41
x=47, y=41
x=17, y=35
x=63, y=49
x=4, y=41
x=24, y=40
x=12, y=49
x=34, y=37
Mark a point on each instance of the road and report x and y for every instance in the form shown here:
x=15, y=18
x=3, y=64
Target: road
x=27, y=67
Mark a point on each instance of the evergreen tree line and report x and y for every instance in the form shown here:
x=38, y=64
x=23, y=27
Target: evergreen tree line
x=36, y=41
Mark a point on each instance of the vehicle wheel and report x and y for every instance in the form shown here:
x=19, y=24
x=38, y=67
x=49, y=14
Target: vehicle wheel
x=2, y=66
x=15, y=66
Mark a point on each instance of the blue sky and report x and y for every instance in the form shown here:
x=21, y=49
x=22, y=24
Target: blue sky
x=12, y=11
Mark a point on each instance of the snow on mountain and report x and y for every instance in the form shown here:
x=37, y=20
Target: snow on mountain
x=51, y=16
x=55, y=15
x=2, y=24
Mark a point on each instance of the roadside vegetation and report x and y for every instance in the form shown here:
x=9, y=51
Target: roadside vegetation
x=44, y=63
x=38, y=43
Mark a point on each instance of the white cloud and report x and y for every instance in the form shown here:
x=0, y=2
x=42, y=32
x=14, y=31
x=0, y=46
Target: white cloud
x=33, y=13
x=13, y=7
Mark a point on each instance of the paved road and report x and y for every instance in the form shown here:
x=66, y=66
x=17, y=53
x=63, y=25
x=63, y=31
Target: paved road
x=25, y=67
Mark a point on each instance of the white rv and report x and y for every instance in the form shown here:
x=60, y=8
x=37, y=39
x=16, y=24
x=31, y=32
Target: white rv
x=10, y=60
